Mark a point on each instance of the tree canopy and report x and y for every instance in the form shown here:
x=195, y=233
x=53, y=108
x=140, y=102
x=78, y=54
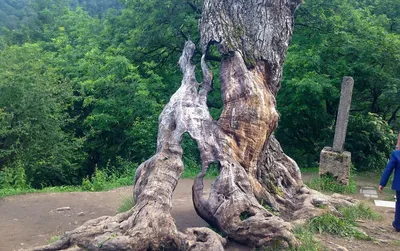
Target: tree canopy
x=82, y=83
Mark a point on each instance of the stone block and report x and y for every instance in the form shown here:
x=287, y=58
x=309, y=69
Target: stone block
x=336, y=164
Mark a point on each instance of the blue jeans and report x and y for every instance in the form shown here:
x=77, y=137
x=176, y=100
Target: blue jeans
x=396, y=222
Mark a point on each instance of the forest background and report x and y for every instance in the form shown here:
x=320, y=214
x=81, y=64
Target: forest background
x=82, y=83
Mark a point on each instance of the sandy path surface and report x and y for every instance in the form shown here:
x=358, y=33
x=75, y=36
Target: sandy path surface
x=30, y=220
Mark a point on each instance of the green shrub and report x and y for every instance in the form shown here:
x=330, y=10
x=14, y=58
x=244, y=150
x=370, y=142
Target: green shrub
x=99, y=180
x=14, y=177
x=87, y=184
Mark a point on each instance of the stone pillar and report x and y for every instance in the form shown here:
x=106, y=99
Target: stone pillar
x=343, y=114
x=336, y=164
x=333, y=160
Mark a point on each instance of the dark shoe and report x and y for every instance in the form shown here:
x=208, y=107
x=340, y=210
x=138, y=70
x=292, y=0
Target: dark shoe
x=397, y=230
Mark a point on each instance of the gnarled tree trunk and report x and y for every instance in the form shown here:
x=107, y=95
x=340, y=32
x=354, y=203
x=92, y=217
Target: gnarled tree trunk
x=256, y=178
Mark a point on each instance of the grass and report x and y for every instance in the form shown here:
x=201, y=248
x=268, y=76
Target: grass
x=330, y=184
x=345, y=226
x=103, y=180
x=99, y=182
x=331, y=224
x=53, y=239
x=126, y=204
x=396, y=243
x=360, y=212
x=309, y=170
x=328, y=223
x=4, y=192
x=306, y=237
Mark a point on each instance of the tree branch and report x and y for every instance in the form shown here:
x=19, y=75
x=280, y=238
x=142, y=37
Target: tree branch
x=194, y=7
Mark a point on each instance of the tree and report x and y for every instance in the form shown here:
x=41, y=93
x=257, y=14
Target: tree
x=33, y=102
x=255, y=177
x=336, y=38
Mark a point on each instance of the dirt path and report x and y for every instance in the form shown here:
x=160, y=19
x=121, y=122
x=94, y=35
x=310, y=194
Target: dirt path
x=31, y=219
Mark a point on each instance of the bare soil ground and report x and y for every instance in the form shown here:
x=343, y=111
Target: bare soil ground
x=30, y=220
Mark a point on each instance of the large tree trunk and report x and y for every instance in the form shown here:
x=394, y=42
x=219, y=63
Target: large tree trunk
x=256, y=180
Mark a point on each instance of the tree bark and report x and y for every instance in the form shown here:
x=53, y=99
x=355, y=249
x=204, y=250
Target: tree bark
x=259, y=190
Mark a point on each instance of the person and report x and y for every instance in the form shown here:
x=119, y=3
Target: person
x=394, y=164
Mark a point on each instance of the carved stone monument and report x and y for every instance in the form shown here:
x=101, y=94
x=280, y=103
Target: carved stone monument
x=333, y=160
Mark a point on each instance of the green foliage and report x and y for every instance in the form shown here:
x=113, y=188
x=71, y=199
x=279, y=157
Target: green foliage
x=333, y=39
x=99, y=180
x=14, y=177
x=330, y=184
x=310, y=170
x=17, y=17
x=126, y=204
x=82, y=85
x=109, y=178
x=33, y=100
x=306, y=100
x=191, y=160
x=370, y=140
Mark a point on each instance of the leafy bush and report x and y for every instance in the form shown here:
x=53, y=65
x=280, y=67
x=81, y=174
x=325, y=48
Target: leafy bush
x=87, y=184
x=99, y=180
x=13, y=177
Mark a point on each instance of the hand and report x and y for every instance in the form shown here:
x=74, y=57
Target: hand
x=380, y=189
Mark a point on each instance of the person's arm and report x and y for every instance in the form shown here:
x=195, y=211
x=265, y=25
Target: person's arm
x=387, y=172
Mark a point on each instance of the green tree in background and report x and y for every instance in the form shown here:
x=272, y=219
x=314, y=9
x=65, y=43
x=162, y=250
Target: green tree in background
x=333, y=39
x=34, y=99
x=82, y=82
x=116, y=106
